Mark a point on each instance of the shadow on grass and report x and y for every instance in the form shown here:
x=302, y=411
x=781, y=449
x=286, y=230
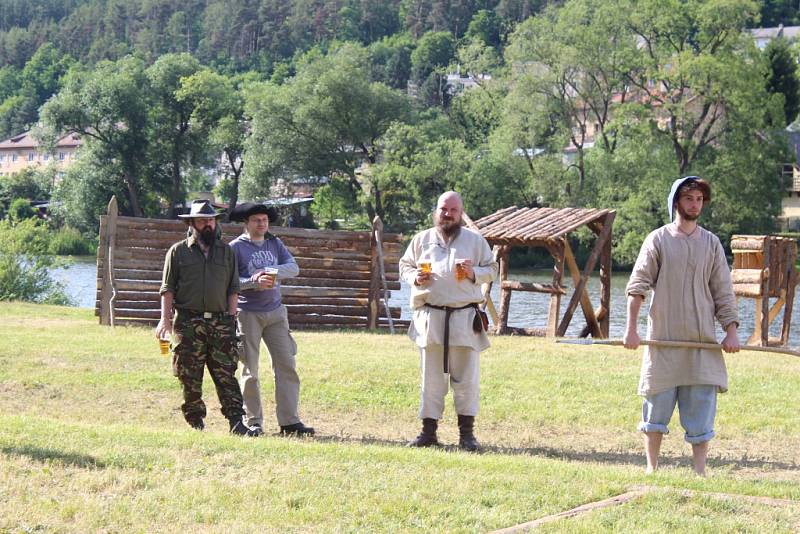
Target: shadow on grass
x=602, y=457
x=55, y=456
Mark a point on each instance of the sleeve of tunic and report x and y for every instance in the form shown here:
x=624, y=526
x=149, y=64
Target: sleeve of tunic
x=725, y=309
x=408, y=263
x=645, y=271
x=486, y=267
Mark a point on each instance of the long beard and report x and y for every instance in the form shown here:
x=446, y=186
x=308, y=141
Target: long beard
x=448, y=227
x=207, y=236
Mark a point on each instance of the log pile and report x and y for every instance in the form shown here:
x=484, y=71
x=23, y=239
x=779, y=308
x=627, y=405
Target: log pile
x=335, y=288
x=764, y=269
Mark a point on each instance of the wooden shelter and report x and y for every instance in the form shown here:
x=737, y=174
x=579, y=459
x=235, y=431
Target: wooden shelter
x=341, y=284
x=548, y=228
x=764, y=268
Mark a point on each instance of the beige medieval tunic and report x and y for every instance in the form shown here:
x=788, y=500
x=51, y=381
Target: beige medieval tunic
x=427, y=324
x=691, y=285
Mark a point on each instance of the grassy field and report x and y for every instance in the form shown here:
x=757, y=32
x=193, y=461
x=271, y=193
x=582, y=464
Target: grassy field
x=92, y=440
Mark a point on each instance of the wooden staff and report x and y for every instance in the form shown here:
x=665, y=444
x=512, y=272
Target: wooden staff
x=677, y=344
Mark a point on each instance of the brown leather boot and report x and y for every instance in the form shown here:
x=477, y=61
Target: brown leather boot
x=466, y=439
x=426, y=438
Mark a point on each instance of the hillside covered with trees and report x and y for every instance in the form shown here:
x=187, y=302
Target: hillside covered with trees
x=579, y=103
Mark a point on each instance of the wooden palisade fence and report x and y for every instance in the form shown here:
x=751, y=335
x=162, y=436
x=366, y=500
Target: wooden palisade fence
x=339, y=284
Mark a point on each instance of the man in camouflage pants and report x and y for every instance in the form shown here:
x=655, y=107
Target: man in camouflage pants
x=199, y=294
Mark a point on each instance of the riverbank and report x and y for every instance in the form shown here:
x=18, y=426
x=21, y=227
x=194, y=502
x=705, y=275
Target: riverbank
x=97, y=442
x=527, y=309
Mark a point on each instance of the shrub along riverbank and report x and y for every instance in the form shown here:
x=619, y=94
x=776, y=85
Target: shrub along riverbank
x=91, y=438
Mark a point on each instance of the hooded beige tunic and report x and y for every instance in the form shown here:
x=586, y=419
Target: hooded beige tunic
x=691, y=285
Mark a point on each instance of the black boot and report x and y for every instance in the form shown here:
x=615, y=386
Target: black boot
x=426, y=438
x=196, y=423
x=466, y=439
x=297, y=429
x=240, y=429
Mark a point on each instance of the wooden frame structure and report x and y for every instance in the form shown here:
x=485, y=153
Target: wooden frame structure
x=764, y=268
x=340, y=284
x=548, y=228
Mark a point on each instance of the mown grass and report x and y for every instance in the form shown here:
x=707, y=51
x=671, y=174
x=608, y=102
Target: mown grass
x=92, y=439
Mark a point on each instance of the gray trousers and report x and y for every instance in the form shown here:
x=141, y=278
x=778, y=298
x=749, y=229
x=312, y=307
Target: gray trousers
x=273, y=328
x=464, y=377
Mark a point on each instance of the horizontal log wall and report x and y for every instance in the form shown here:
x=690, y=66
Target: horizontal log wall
x=332, y=289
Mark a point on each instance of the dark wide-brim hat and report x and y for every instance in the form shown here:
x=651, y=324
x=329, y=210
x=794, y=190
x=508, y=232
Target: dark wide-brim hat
x=244, y=210
x=201, y=209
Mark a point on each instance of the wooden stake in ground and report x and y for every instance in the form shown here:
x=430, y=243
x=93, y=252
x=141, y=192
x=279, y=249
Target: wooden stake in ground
x=677, y=344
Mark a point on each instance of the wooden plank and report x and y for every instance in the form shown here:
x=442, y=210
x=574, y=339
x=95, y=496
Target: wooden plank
x=323, y=292
x=230, y=228
x=577, y=296
x=747, y=290
x=747, y=243
x=586, y=303
x=332, y=282
x=747, y=276
x=349, y=311
x=514, y=285
x=324, y=301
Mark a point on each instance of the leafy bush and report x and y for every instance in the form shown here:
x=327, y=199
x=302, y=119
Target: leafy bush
x=25, y=264
x=68, y=241
x=20, y=209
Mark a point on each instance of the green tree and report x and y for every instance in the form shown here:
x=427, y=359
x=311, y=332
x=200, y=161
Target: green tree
x=25, y=264
x=487, y=27
x=218, y=114
x=108, y=107
x=173, y=141
x=782, y=77
x=324, y=122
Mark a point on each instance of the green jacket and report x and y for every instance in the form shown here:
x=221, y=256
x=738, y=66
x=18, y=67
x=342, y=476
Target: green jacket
x=200, y=284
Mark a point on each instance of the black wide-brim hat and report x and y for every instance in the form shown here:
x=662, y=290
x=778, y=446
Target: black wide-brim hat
x=244, y=210
x=201, y=209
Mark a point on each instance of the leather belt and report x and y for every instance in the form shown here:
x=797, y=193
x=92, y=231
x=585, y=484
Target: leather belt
x=448, y=310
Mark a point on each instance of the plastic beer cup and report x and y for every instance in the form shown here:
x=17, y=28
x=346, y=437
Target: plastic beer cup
x=461, y=272
x=425, y=266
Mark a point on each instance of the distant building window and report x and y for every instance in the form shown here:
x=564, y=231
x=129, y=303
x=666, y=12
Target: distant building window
x=2, y=157
x=31, y=156
x=62, y=156
x=13, y=157
x=46, y=157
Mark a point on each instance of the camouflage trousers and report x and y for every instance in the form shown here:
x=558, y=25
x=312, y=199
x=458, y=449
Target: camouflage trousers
x=197, y=343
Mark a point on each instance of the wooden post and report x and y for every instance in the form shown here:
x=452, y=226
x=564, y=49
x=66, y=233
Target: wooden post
x=108, y=238
x=486, y=289
x=557, y=251
x=375, y=278
x=791, y=283
x=377, y=224
x=765, y=282
x=592, y=326
x=505, y=294
x=605, y=235
x=604, y=313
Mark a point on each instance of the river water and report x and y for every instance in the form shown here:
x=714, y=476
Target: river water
x=528, y=310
